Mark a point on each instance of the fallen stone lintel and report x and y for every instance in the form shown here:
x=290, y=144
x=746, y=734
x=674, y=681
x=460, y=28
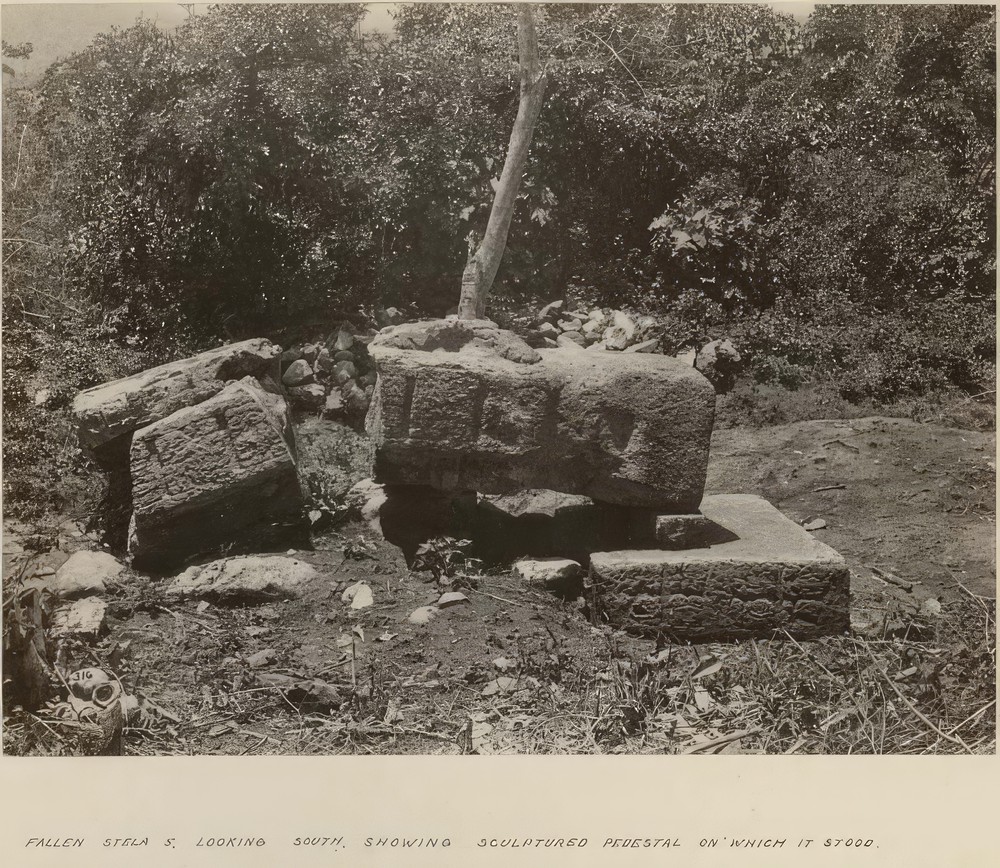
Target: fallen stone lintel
x=775, y=577
x=114, y=410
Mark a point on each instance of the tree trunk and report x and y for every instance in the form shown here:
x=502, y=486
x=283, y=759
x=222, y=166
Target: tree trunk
x=481, y=269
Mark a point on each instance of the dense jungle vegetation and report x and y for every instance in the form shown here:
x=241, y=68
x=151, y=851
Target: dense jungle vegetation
x=821, y=192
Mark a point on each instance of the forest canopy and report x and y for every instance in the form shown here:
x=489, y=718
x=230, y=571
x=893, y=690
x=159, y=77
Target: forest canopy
x=823, y=190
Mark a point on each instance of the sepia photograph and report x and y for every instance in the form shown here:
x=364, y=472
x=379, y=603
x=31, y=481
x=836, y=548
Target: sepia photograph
x=498, y=379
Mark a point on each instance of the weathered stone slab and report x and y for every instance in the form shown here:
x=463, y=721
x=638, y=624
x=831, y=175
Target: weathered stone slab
x=624, y=429
x=211, y=474
x=252, y=579
x=116, y=409
x=774, y=577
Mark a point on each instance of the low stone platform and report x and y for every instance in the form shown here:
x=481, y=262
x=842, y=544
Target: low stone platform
x=774, y=577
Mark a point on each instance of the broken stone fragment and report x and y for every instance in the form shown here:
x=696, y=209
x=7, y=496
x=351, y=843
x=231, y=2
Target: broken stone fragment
x=551, y=310
x=343, y=341
x=644, y=347
x=549, y=573
x=114, y=410
x=423, y=615
x=249, y=579
x=83, y=573
x=344, y=371
x=82, y=618
x=309, y=397
x=571, y=341
x=298, y=373
x=218, y=473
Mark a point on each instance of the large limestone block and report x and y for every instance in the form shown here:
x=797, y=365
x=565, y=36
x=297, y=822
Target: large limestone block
x=114, y=410
x=773, y=577
x=211, y=474
x=624, y=429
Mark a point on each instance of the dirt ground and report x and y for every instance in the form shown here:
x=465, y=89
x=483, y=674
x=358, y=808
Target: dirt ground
x=513, y=669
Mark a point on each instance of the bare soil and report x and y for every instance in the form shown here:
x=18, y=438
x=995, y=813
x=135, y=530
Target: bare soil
x=514, y=669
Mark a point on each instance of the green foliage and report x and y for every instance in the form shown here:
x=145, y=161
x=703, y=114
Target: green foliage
x=822, y=193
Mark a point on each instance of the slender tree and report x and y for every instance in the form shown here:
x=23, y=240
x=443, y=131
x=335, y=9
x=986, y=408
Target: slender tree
x=484, y=260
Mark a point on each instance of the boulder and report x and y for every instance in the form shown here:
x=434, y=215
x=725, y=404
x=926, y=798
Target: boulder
x=310, y=352
x=298, y=373
x=111, y=412
x=215, y=474
x=625, y=429
x=251, y=579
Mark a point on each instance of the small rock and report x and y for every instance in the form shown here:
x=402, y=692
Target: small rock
x=423, y=615
x=600, y=345
x=310, y=352
x=687, y=356
x=547, y=572
x=42, y=397
x=815, y=524
x=503, y=664
x=298, y=374
x=367, y=497
x=202, y=607
x=344, y=371
x=503, y=684
x=343, y=356
x=261, y=658
x=645, y=347
x=571, y=341
x=359, y=595
x=570, y=325
x=324, y=361
x=368, y=379
x=452, y=598
x=389, y=316
x=548, y=330
x=311, y=396
x=292, y=354
x=355, y=399
x=83, y=618
x=549, y=344
x=334, y=404
x=343, y=341
x=552, y=309
x=719, y=362
x=930, y=608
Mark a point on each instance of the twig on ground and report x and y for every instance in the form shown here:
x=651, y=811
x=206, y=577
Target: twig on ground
x=954, y=739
